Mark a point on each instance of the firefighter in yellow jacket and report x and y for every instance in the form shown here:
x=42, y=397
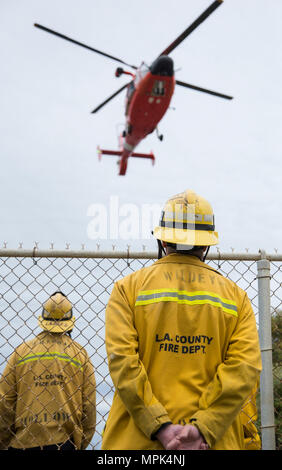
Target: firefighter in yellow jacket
x=47, y=390
x=182, y=343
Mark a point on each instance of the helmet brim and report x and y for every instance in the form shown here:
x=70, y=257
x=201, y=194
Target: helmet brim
x=56, y=326
x=186, y=237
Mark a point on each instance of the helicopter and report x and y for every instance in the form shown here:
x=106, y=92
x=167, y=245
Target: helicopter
x=148, y=93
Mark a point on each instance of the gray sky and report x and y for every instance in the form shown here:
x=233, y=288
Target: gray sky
x=229, y=152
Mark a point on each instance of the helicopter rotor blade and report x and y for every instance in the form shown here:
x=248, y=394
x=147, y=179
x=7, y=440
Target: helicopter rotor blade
x=204, y=90
x=110, y=98
x=192, y=27
x=83, y=45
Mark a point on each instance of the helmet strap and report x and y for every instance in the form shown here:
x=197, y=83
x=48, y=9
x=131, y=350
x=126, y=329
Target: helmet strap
x=206, y=254
x=161, y=249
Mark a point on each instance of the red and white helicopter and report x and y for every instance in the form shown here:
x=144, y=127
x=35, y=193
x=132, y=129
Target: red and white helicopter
x=148, y=94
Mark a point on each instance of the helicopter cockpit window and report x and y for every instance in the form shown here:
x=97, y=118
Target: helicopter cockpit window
x=141, y=72
x=129, y=94
x=130, y=90
x=158, y=88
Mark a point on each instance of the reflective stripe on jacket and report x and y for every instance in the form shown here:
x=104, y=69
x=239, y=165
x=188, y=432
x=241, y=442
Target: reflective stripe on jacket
x=182, y=344
x=47, y=394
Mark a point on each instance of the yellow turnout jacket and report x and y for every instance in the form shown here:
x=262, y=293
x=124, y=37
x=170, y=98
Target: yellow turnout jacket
x=182, y=347
x=47, y=394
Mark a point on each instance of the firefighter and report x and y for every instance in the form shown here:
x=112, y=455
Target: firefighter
x=47, y=390
x=182, y=343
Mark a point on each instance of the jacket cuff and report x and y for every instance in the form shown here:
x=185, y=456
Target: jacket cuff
x=205, y=430
x=164, y=425
x=152, y=419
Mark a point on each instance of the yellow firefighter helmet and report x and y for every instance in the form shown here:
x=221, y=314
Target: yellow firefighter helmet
x=187, y=219
x=57, y=316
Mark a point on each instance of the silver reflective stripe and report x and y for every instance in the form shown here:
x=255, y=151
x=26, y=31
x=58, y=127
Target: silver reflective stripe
x=47, y=315
x=54, y=355
x=185, y=217
x=186, y=225
x=196, y=298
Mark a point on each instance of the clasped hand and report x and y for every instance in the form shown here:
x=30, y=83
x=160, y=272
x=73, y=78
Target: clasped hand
x=177, y=437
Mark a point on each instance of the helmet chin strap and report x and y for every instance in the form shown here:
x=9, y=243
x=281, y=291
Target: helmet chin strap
x=206, y=254
x=161, y=249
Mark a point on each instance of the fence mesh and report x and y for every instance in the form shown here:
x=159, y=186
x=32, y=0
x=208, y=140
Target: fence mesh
x=276, y=310
x=27, y=282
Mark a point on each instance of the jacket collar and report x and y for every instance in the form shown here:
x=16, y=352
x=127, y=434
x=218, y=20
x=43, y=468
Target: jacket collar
x=185, y=259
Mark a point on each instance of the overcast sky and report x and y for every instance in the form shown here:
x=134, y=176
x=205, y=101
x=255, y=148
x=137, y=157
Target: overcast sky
x=227, y=151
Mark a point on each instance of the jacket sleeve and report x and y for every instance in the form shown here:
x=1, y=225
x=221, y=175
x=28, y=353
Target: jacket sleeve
x=89, y=404
x=234, y=379
x=8, y=398
x=127, y=371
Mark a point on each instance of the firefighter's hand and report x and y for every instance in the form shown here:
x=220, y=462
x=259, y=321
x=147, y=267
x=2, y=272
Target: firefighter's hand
x=189, y=438
x=168, y=434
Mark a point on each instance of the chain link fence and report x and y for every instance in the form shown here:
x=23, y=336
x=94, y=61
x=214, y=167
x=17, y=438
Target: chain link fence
x=29, y=277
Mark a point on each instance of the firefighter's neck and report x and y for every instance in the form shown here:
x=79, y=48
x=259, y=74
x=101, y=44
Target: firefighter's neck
x=198, y=253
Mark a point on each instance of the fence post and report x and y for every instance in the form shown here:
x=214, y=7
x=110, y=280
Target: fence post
x=265, y=336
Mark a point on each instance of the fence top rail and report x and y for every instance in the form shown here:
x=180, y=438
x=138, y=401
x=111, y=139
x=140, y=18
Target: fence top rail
x=127, y=254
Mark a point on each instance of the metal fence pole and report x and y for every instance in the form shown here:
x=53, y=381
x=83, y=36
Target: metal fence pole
x=265, y=335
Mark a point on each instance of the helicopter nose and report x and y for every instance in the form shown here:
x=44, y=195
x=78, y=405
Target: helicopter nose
x=163, y=65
